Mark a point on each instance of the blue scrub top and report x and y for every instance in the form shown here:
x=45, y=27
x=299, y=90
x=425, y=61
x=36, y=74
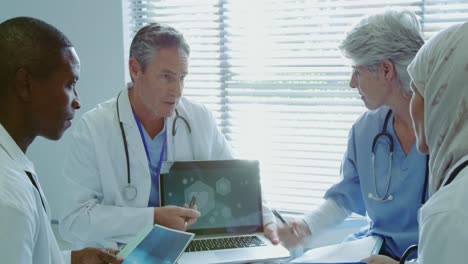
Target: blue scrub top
x=396, y=220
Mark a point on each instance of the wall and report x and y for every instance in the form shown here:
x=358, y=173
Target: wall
x=96, y=29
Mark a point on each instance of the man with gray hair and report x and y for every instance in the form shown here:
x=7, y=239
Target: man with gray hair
x=38, y=72
x=118, y=147
x=383, y=175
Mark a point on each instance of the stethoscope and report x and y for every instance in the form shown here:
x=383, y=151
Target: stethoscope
x=385, y=134
x=130, y=191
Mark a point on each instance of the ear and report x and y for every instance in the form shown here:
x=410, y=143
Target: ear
x=389, y=70
x=134, y=67
x=23, y=85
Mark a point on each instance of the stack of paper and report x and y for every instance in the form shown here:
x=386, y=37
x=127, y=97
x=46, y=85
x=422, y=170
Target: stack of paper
x=346, y=252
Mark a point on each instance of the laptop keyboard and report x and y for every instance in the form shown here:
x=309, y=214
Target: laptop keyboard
x=224, y=243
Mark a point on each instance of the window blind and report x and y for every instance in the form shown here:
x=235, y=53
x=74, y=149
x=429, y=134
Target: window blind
x=271, y=73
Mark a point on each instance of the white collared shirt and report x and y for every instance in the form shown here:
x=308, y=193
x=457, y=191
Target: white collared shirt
x=26, y=236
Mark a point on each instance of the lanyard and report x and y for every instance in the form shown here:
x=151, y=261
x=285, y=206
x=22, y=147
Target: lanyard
x=455, y=172
x=161, y=156
x=37, y=188
x=29, y=174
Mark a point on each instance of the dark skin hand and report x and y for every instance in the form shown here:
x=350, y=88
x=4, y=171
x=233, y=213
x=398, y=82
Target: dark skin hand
x=95, y=256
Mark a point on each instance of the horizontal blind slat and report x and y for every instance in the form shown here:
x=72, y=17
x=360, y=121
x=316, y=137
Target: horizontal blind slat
x=270, y=72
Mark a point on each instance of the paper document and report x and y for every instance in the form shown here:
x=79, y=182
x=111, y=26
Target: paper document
x=346, y=252
x=156, y=245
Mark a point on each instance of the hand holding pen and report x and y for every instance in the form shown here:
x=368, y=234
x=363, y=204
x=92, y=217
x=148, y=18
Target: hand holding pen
x=191, y=206
x=292, y=232
x=175, y=216
x=281, y=218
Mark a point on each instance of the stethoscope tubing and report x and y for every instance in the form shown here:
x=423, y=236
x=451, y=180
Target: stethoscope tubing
x=386, y=134
x=130, y=191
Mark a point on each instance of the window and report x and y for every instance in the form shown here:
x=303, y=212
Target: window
x=271, y=73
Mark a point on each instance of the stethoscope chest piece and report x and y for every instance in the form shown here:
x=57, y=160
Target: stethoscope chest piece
x=130, y=192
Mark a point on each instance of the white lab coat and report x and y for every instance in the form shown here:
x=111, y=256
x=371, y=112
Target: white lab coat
x=26, y=236
x=96, y=169
x=443, y=232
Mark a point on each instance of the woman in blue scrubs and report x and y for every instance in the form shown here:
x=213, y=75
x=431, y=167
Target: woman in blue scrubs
x=383, y=174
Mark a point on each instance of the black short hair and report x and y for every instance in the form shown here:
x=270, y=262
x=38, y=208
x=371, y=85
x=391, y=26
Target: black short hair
x=28, y=43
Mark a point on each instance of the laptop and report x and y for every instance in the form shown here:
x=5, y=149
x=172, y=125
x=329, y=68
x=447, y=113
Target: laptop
x=228, y=195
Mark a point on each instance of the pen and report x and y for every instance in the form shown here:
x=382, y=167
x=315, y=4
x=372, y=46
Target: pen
x=281, y=218
x=192, y=203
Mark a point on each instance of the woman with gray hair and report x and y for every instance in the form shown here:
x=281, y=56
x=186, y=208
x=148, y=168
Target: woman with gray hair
x=439, y=109
x=383, y=175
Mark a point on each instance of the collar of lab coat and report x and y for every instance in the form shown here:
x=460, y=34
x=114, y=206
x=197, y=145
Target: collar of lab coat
x=126, y=113
x=135, y=145
x=21, y=160
x=14, y=151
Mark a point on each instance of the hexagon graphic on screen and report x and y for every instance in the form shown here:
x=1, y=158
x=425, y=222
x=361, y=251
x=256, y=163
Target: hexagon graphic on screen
x=223, y=186
x=204, y=195
x=226, y=212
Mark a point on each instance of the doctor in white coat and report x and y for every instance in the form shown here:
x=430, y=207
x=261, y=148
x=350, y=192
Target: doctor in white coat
x=118, y=148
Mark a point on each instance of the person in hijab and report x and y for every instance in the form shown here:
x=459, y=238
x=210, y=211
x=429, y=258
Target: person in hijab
x=439, y=109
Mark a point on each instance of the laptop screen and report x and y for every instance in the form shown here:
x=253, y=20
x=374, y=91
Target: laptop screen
x=227, y=193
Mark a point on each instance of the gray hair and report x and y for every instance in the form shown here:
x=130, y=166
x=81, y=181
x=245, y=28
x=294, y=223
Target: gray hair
x=393, y=35
x=29, y=43
x=153, y=37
